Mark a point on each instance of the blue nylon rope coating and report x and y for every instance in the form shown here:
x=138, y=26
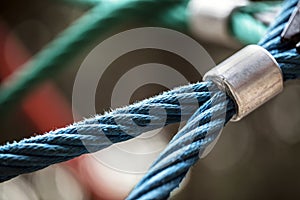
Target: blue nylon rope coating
x=184, y=149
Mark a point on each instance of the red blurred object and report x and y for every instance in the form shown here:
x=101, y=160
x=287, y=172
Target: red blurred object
x=45, y=106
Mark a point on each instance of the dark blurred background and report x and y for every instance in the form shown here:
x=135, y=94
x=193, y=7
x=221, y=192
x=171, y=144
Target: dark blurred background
x=257, y=158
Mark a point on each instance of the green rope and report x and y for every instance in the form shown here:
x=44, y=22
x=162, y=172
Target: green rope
x=261, y=7
x=83, y=3
x=245, y=27
x=98, y=21
x=177, y=18
x=251, y=30
x=174, y=18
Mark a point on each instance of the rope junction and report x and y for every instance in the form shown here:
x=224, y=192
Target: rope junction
x=204, y=123
x=171, y=166
x=63, y=144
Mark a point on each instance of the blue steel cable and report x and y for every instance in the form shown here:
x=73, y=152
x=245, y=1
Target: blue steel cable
x=284, y=52
x=101, y=131
x=172, y=165
x=184, y=150
x=167, y=172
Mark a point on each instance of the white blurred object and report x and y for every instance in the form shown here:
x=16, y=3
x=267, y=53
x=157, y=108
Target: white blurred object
x=17, y=189
x=136, y=155
x=284, y=113
x=209, y=20
x=115, y=170
x=112, y=184
x=55, y=182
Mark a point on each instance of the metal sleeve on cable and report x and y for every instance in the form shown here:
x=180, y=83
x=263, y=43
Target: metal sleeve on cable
x=251, y=77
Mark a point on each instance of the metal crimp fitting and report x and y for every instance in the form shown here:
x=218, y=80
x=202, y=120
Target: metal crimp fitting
x=251, y=77
x=210, y=20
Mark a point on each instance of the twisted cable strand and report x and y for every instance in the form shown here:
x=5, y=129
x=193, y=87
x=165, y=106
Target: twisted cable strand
x=171, y=167
x=283, y=51
x=101, y=131
x=184, y=150
x=167, y=172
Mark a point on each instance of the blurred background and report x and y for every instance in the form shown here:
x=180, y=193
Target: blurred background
x=257, y=158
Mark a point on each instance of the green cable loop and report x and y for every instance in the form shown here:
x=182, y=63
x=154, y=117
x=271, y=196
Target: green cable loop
x=177, y=18
x=260, y=7
x=83, y=3
x=251, y=30
x=101, y=19
x=245, y=27
x=98, y=21
x=174, y=18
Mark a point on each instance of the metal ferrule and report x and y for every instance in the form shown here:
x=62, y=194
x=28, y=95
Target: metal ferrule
x=251, y=77
x=209, y=20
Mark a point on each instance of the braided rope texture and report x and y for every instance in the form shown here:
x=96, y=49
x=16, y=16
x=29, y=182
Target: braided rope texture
x=101, y=131
x=97, y=22
x=185, y=149
x=167, y=172
x=174, y=162
x=284, y=52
